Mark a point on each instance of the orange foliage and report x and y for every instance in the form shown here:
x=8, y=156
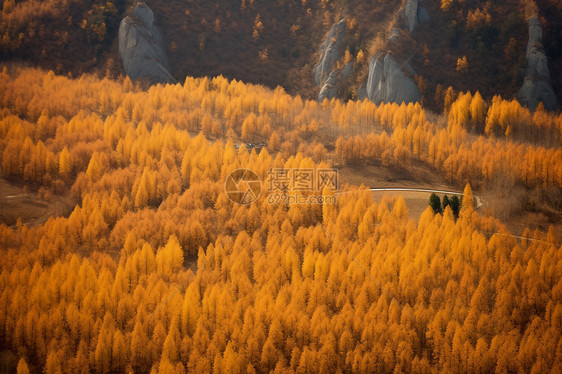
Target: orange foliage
x=351, y=287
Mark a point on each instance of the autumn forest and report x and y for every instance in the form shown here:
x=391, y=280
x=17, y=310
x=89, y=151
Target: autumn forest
x=154, y=269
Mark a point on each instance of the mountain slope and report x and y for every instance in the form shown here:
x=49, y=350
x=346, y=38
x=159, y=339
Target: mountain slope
x=277, y=43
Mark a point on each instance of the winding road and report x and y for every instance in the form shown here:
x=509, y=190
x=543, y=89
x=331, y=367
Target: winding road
x=415, y=190
x=479, y=200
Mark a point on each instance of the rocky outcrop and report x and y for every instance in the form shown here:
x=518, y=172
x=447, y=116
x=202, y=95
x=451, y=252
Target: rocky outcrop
x=362, y=92
x=329, y=89
x=537, y=86
x=414, y=14
x=423, y=15
x=142, y=48
x=394, y=35
x=331, y=50
x=348, y=70
x=388, y=81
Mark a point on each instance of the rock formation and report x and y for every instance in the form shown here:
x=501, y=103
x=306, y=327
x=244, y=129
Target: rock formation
x=414, y=14
x=330, y=51
x=394, y=35
x=388, y=82
x=536, y=85
x=142, y=48
x=329, y=89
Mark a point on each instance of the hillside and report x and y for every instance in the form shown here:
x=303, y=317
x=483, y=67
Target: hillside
x=491, y=35
x=288, y=186
x=156, y=269
x=67, y=36
x=277, y=43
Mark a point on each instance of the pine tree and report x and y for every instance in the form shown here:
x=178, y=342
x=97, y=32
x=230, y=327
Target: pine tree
x=445, y=203
x=435, y=203
x=455, y=205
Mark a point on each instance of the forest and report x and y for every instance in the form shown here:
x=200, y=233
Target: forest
x=276, y=43
x=156, y=270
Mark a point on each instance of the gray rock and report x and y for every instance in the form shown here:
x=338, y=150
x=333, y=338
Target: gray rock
x=347, y=70
x=423, y=15
x=330, y=51
x=387, y=82
x=408, y=69
x=411, y=14
x=362, y=92
x=374, y=78
x=537, y=86
x=142, y=48
x=533, y=92
x=535, y=33
x=329, y=89
x=537, y=64
x=394, y=35
x=414, y=14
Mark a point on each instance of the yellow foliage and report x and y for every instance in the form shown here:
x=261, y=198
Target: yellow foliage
x=257, y=28
x=462, y=64
x=446, y=4
x=337, y=287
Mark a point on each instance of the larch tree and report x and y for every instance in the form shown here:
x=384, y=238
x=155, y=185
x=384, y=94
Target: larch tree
x=467, y=200
x=65, y=166
x=119, y=352
x=22, y=367
x=95, y=168
x=170, y=349
x=169, y=259
x=102, y=353
x=478, y=112
x=449, y=99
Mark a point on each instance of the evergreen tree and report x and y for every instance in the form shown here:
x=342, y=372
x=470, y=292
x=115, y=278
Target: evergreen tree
x=455, y=205
x=445, y=203
x=435, y=203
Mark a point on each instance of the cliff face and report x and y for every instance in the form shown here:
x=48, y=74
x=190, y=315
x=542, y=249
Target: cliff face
x=142, y=48
x=537, y=85
x=387, y=82
x=414, y=14
x=388, y=78
x=331, y=50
